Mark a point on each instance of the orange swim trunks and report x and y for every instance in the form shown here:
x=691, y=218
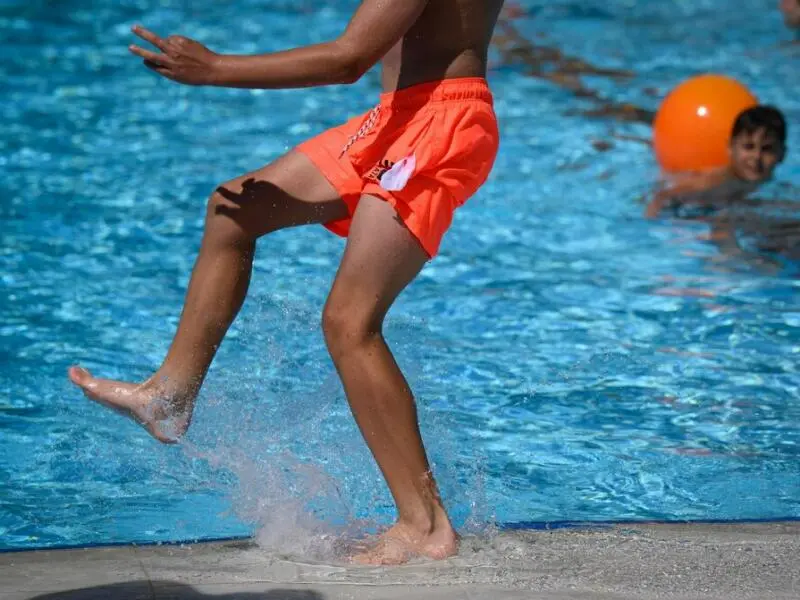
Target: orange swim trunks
x=424, y=149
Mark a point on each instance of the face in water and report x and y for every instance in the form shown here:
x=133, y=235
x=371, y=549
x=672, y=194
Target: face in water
x=755, y=154
x=791, y=13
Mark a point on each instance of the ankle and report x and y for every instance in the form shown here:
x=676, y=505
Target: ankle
x=174, y=390
x=425, y=522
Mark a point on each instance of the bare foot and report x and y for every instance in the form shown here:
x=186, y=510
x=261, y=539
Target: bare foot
x=159, y=416
x=401, y=543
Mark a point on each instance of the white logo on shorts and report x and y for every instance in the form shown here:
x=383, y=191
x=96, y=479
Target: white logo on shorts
x=396, y=178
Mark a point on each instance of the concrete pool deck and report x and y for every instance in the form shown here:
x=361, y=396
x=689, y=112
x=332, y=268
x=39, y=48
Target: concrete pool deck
x=692, y=561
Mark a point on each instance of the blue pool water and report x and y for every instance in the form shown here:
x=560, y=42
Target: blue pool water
x=573, y=362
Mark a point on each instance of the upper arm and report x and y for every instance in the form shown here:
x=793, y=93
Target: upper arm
x=376, y=26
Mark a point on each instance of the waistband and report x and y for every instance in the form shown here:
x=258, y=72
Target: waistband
x=445, y=90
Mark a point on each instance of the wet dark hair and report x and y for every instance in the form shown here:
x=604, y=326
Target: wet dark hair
x=758, y=117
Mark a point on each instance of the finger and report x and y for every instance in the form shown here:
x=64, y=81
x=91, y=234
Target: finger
x=163, y=71
x=153, y=57
x=231, y=195
x=160, y=69
x=151, y=37
x=177, y=41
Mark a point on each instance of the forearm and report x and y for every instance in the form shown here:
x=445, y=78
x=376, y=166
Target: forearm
x=376, y=26
x=657, y=204
x=320, y=64
x=723, y=236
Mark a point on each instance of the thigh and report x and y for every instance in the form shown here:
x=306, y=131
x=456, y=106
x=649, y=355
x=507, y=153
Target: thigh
x=380, y=259
x=289, y=191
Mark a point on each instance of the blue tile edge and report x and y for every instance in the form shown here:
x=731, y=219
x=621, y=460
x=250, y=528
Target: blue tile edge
x=185, y=542
x=548, y=525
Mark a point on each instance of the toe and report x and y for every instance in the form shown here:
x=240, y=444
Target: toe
x=79, y=376
x=156, y=432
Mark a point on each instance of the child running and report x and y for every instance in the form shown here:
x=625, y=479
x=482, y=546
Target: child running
x=389, y=180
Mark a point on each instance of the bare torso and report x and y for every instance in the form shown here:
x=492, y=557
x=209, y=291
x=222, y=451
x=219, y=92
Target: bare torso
x=450, y=39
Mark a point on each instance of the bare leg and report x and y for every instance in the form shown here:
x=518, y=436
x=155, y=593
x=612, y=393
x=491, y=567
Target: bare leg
x=286, y=193
x=380, y=260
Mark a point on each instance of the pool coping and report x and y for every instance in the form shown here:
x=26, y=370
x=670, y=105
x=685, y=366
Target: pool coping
x=512, y=526
x=708, y=561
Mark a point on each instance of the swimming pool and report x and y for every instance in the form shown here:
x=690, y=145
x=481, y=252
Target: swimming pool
x=573, y=362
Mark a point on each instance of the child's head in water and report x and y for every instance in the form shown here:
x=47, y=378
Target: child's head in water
x=758, y=143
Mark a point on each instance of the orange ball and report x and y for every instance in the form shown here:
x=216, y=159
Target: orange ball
x=692, y=128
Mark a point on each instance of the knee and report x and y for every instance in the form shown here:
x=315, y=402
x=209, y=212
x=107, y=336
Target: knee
x=345, y=326
x=224, y=222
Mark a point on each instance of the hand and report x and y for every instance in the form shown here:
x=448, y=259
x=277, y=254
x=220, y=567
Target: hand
x=181, y=59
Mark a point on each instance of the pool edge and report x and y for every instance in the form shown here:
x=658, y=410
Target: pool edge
x=510, y=526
